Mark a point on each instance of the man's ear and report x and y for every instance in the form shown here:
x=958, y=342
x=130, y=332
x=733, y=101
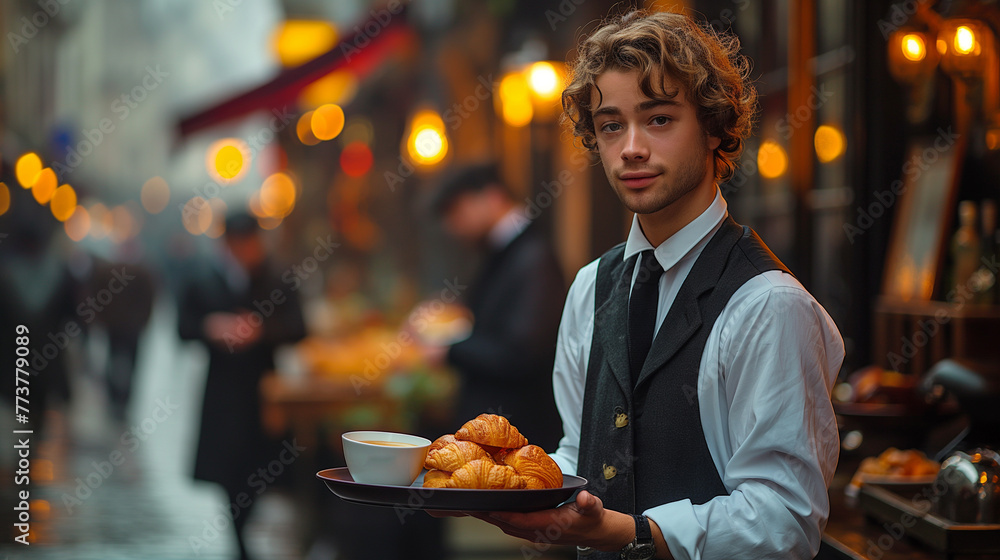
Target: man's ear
x=713, y=142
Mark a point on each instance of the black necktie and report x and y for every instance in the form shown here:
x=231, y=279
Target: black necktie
x=642, y=312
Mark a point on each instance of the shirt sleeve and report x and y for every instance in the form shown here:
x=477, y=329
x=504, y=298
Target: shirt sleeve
x=778, y=358
x=569, y=374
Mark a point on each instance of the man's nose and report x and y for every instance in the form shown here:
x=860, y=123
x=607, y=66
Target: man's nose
x=635, y=148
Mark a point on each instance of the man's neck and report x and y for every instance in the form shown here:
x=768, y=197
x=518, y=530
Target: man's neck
x=662, y=224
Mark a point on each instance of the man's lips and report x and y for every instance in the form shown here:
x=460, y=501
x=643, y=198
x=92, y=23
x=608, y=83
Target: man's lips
x=638, y=180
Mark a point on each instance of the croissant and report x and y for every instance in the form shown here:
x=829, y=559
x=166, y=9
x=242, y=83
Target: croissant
x=486, y=475
x=451, y=457
x=534, y=465
x=436, y=479
x=490, y=429
x=441, y=442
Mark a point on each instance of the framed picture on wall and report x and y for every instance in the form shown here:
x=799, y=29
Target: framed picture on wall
x=919, y=240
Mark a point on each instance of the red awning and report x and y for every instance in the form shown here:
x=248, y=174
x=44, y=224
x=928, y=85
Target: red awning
x=361, y=52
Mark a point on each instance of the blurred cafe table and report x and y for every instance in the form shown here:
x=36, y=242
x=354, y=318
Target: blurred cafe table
x=851, y=534
x=371, y=380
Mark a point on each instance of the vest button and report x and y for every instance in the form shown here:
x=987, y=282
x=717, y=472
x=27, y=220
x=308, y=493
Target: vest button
x=609, y=472
x=621, y=420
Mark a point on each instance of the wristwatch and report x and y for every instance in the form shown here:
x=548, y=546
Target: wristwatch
x=642, y=548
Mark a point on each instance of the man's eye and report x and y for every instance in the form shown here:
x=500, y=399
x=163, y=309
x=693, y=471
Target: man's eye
x=661, y=120
x=610, y=127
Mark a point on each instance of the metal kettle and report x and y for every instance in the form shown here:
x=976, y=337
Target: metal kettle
x=968, y=487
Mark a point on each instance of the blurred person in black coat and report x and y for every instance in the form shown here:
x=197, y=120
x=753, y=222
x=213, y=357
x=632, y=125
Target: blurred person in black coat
x=242, y=311
x=505, y=365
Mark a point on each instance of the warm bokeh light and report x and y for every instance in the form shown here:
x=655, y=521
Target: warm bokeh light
x=155, y=195
x=100, y=221
x=78, y=225
x=829, y=142
x=219, y=210
x=992, y=141
x=544, y=81
x=253, y=204
x=4, y=199
x=27, y=169
x=327, y=121
x=40, y=509
x=298, y=41
x=227, y=160
x=43, y=470
x=772, y=160
x=268, y=223
x=45, y=185
x=123, y=224
x=914, y=48
x=515, y=100
x=197, y=215
x=427, y=143
x=63, y=203
x=277, y=195
x=942, y=46
x=356, y=159
x=303, y=129
x=965, y=40
x=337, y=87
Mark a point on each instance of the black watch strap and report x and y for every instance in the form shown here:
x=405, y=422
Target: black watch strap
x=643, y=534
x=642, y=548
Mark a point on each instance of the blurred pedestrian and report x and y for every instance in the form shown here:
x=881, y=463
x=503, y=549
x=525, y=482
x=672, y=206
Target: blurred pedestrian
x=505, y=365
x=241, y=311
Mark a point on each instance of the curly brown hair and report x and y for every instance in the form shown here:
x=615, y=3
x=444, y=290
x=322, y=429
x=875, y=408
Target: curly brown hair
x=708, y=64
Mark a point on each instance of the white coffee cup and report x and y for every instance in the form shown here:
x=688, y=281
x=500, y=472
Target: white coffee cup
x=384, y=457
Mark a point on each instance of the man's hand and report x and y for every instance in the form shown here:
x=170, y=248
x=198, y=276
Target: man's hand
x=582, y=523
x=234, y=331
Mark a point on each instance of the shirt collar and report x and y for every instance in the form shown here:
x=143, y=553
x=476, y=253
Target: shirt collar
x=680, y=244
x=507, y=228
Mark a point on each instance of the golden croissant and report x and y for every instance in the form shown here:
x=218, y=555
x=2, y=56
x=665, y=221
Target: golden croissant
x=436, y=479
x=451, y=457
x=491, y=429
x=441, y=442
x=486, y=475
x=534, y=465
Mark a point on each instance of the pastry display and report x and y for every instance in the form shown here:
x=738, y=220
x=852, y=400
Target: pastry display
x=894, y=465
x=489, y=453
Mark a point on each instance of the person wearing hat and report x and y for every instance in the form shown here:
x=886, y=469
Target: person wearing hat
x=505, y=365
x=241, y=311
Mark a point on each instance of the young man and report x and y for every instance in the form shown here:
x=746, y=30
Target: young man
x=692, y=372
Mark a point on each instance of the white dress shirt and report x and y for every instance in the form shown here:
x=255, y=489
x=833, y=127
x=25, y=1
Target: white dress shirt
x=764, y=385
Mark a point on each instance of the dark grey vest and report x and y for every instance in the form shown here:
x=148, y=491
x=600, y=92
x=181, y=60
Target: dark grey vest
x=645, y=446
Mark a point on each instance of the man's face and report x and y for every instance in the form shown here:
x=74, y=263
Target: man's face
x=654, y=151
x=469, y=216
x=247, y=249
